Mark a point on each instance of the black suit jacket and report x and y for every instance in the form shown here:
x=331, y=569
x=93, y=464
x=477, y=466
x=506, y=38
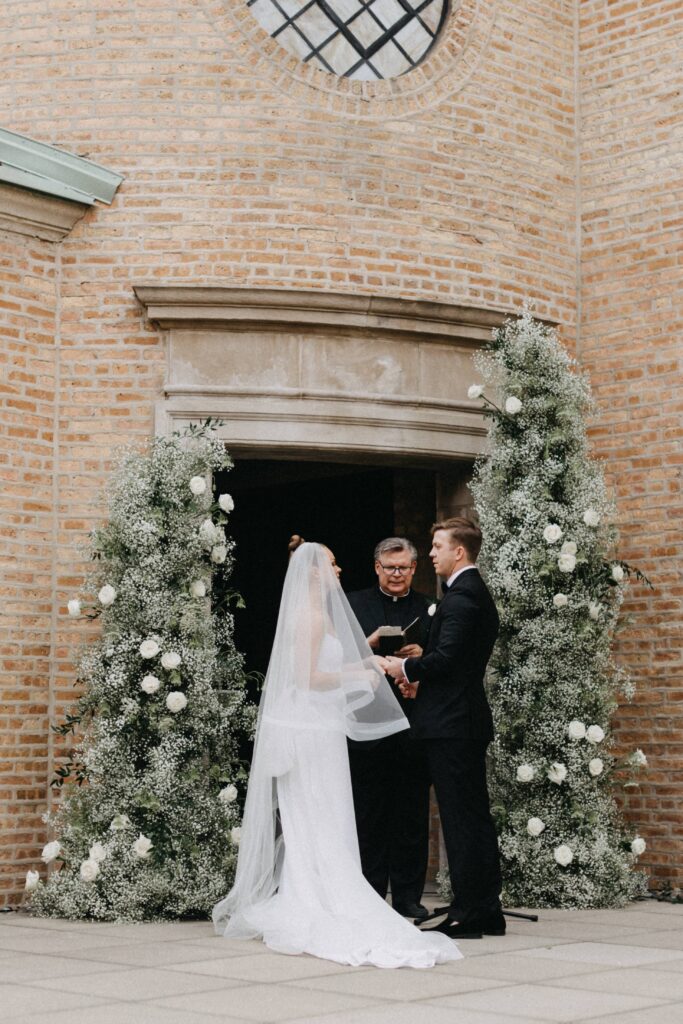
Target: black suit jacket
x=451, y=700
x=373, y=610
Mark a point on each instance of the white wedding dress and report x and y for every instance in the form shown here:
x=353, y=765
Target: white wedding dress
x=312, y=897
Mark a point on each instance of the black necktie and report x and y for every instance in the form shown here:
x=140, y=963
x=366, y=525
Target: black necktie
x=444, y=587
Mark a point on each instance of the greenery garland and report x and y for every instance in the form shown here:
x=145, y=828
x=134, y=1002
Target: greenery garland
x=148, y=825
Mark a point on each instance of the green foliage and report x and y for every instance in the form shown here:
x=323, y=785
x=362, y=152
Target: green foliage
x=146, y=824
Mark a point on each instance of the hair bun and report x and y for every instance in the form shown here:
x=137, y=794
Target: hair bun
x=295, y=541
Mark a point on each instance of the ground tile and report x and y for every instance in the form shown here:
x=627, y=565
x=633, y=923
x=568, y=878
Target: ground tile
x=399, y=1013
x=612, y=954
x=15, y=999
x=647, y=921
x=406, y=984
x=145, y=983
x=273, y=967
x=119, y=1013
x=30, y=967
x=548, y=1002
x=519, y=968
x=151, y=954
x=669, y=1014
x=30, y=940
x=266, y=1002
x=662, y=984
x=670, y=939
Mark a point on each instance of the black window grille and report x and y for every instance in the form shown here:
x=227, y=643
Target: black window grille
x=360, y=39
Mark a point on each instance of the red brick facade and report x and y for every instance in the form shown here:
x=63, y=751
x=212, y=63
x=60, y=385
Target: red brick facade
x=530, y=155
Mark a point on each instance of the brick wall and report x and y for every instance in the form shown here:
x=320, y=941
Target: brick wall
x=28, y=284
x=457, y=182
x=630, y=341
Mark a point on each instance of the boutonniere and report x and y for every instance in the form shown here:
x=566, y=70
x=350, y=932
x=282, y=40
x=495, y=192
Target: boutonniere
x=431, y=609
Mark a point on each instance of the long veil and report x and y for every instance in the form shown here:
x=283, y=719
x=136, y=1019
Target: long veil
x=322, y=675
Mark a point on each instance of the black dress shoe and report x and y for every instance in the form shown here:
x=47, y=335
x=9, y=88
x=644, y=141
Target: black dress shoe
x=493, y=923
x=414, y=910
x=456, y=929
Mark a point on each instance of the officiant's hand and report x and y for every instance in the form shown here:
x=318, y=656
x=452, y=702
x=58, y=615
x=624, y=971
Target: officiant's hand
x=373, y=639
x=410, y=651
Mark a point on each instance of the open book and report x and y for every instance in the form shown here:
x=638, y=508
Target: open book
x=392, y=638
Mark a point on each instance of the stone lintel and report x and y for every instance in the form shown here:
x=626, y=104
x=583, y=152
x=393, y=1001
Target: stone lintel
x=37, y=214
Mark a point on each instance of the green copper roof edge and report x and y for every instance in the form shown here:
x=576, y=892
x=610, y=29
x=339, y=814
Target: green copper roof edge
x=54, y=171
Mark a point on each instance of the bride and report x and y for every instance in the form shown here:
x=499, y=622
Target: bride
x=299, y=884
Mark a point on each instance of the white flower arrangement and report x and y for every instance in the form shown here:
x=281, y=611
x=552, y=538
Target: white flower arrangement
x=638, y=846
x=198, y=588
x=74, y=606
x=142, y=847
x=150, y=684
x=226, y=503
x=525, y=773
x=638, y=759
x=89, y=870
x=576, y=730
x=535, y=826
x=560, y=600
x=208, y=533
x=97, y=852
x=51, y=851
x=563, y=855
x=557, y=773
x=219, y=553
x=107, y=595
x=552, y=533
x=149, y=649
x=591, y=517
x=228, y=794
x=197, y=485
x=235, y=835
x=120, y=823
x=474, y=392
x=594, y=734
x=569, y=547
x=594, y=610
x=566, y=562
x=32, y=881
x=512, y=405
x=617, y=573
x=176, y=701
x=595, y=766
x=170, y=660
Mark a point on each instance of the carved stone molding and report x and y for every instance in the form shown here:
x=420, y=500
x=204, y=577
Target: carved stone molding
x=37, y=214
x=322, y=375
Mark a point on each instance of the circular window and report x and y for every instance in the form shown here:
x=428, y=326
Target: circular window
x=360, y=39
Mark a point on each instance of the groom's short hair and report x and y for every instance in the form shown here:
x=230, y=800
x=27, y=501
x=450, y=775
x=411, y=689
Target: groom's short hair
x=462, y=531
x=395, y=544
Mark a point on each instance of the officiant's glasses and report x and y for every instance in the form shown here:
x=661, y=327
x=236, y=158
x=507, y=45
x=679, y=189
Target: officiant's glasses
x=401, y=569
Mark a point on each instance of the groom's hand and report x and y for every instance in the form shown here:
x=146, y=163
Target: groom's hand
x=408, y=690
x=394, y=668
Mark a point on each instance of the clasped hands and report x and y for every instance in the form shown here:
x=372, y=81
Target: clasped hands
x=394, y=667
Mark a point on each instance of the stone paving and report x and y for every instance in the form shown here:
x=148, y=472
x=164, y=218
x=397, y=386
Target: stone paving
x=607, y=967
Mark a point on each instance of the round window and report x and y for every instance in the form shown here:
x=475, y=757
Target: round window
x=361, y=39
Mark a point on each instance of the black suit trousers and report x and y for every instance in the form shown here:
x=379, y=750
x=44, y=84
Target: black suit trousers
x=458, y=771
x=391, y=785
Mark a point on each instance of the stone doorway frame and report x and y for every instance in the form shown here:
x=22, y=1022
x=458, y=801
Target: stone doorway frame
x=318, y=375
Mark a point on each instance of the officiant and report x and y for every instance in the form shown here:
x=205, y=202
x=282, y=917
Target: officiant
x=390, y=777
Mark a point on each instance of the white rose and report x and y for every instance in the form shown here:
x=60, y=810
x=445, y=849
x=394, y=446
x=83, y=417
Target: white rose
x=150, y=684
x=226, y=502
x=566, y=562
x=475, y=391
x=525, y=773
x=535, y=826
x=97, y=852
x=219, y=554
x=638, y=758
x=594, y=609
x=563, y=855
x=557, y=772
x=51, y=851
x=591, y=517
x=228, y=794
x=198, y=588
x=576, y=730
x=207, y=533
x=512, y=405
x=170, y=660
x=594, y=734
x=149, y=649
x=120, y=822
x=32, y=881
x=595, y=767
x=107, y=595
x=552, y=533
x=90, y=869
x=569, y=548
x=638, y=846
x=197, y=485
x=236, y=835
x=176, y=701
x=617, y=573
x=142, y=846
x=74, y=606
x=560, y=600
x=431, y=609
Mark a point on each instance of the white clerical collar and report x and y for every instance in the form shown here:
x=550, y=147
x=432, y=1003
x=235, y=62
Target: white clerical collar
x=451, y=579
x=394, y=597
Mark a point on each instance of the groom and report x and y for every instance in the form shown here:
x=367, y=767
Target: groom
x=453, y=720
